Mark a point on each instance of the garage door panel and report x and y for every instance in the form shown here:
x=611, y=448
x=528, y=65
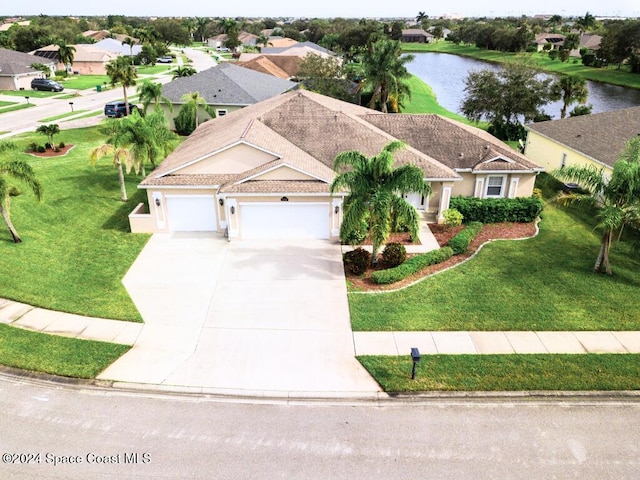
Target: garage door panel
x=285, y=220
x=191, y=213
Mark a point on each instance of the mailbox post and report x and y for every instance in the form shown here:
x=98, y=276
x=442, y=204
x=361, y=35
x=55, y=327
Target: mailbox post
x=415, y=356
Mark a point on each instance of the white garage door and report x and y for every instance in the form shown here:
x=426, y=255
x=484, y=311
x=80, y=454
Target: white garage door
x=191, y=213
x=285, y=220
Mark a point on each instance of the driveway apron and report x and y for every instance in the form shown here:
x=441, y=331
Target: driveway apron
x=255, y=317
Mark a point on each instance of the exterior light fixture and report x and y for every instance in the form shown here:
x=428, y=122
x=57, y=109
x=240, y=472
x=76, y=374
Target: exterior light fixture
x=233, y=210
x=284, y=199
x=221, y=201
x=157, y=202
x=336, y=210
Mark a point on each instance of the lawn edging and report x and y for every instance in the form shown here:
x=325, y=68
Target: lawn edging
x=390, y=290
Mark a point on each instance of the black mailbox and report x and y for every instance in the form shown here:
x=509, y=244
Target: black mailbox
x=415, y=354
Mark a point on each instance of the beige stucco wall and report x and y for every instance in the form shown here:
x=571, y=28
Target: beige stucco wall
x=466, y=187
x=549, y=154
x=236, y=159
x=89, y=68
x=284, y=173
x=17, y=82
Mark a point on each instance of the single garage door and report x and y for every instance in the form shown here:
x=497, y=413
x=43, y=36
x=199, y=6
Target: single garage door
x=191, y=213
x=284, y=220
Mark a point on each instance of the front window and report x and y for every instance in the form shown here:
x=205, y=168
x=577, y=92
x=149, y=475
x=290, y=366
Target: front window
x=495, y=186
x=221, y=113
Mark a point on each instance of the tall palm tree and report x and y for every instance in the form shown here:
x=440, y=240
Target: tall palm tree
x=570, y=89
x=121, y=71
x=614, y=201
x=66, y=53
x=131, y=42
x=151, y=92
x=22, y=172
x=263, y=40
x=229, y=27
x=385, y=71
x=120, y=156
x=193, y=102
x=585, y=23
x=375, y=193
x=421, y=16
x=201, y=27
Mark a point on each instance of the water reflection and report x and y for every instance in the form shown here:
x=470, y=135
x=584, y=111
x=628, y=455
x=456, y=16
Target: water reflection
x=446, y=74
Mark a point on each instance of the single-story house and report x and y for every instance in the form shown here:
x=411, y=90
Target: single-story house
x=299, y=49
x=556, y=40
x=87, y=59
x=596, y=139
x=16, y=72
x=281, y=42
x=225, y=87
x=281, y=66
x=264, y=171
x=245, y=38
x=416, y=35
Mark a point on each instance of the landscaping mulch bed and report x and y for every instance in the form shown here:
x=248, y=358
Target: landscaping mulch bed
x=49, y=152
x=443, y=234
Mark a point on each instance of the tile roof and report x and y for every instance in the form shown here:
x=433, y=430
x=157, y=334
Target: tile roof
x=278, y=186
x=454, y=144
x=19, y=63
x=227, y=84
x=601, y=136
x=281, y=66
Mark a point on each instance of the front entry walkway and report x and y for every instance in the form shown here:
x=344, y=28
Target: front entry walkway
x=250, y=317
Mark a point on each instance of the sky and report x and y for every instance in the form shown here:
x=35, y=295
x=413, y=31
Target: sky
x=321, y=9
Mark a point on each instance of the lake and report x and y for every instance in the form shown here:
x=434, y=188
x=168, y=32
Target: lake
x=446, y=74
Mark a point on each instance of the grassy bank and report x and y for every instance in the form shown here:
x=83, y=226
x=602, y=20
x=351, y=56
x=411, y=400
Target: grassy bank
x=506, y=372
x=39, y=352
x=76, y=243
x=609, y=75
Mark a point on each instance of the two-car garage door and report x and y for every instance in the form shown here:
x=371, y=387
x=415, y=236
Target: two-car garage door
x=284, y=220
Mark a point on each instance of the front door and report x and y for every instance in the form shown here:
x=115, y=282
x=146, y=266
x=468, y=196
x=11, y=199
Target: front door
x=417, y=200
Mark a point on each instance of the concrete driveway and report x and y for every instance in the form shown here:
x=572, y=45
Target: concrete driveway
x=253, y=317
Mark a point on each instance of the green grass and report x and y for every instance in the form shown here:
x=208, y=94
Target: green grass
x=610, y=75
x=84, y=82
x=76, y=243
x=62, y=115
x=52, y=354
x=29, y=93
x=543, y=283
x=20, y=106
x=86, y=115
x=155, y=69
x=6, y=104
x=506, y=372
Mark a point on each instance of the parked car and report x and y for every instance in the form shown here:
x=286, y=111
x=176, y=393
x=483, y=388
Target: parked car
x=165, y=59
x=222, y=49
x=119, y=109
x=46, y=85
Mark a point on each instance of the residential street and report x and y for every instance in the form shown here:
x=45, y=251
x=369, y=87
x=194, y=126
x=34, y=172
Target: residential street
x=180, y=437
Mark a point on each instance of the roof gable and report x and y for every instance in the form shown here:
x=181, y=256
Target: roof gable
x=283, y=171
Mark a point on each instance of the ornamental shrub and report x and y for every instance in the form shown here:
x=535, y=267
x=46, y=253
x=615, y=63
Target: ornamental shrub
x=411, y=266
x=394, y=254
x=41, y=149
x=460, y=243
x=356, y=261
x=496, y=210
x=452, y=217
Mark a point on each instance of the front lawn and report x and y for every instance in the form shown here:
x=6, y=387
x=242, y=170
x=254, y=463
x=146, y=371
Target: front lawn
x=76, y=243
x=506, y=372
x=543, y=283
x=56, y=355
x=84, y=82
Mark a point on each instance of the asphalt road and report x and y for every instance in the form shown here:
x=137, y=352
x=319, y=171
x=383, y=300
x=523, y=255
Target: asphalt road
x=115, y=434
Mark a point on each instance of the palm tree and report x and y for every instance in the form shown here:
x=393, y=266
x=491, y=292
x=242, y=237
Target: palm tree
x=201, y=27
x=193, y=102
x=615, y=201
x=66, y=54
x=385, y=71
x=131, y=42
x=184, y=71
x=49, y=131
x=263, y=40
x=151, y=92
x=229, y=27
x=120, y=155
x=121, y=71
x=375, y=193
x=585, y=23
x=421, y=16
x=16, y=170
x=570, y=89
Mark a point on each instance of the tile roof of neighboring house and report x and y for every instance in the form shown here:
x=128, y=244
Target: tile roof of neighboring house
x=116, y=46
x=245, y=38
x=590, y=41
x=415, y=32
x=281, y=42
x=19, y=63
x=544, y=37
x=600, y=136
x=6, y=26
x=454, y=144
x=96, y=34
x=83, y=53
x=227, y=84
x=300, y=49
x=281, y=66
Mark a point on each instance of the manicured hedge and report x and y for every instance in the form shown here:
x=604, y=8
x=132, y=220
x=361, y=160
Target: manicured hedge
x=461, y=241
x=496, y=210
x=411, y=266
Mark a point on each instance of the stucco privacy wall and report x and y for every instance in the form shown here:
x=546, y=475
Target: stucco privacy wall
x=552, y=155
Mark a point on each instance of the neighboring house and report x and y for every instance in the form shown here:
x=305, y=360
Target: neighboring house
x=16, y=72
x=116, y=46
x=596, y=139
x=245, y=38
x=556, y=40
x=6, y=26
x=299, y=49
x=416, y=35
x=226, y=88
x=87, y=59
x=281, y=42
x=97, y=35
x=281, y=66
x=587, y=40
x=265, y=171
